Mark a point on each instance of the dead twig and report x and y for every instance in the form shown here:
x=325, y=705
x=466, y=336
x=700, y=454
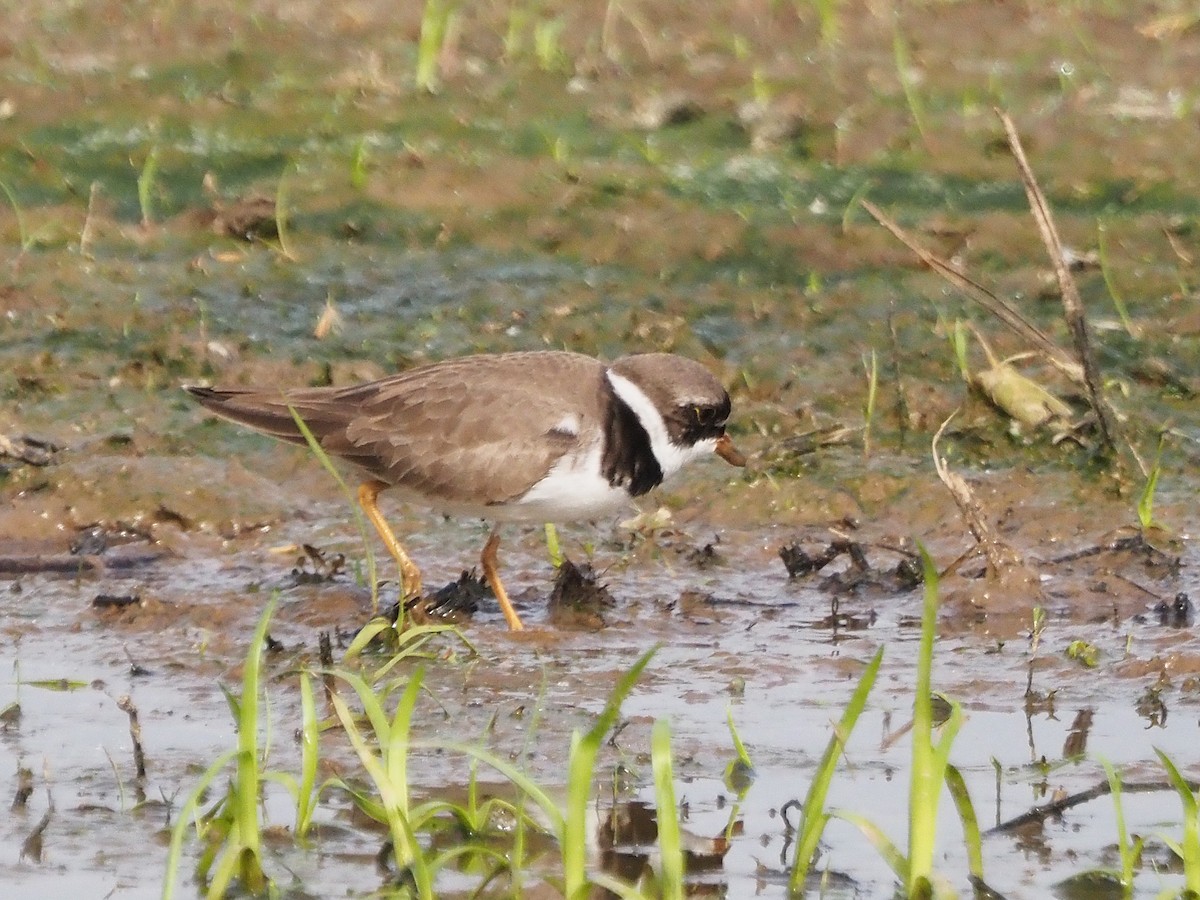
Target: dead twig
x=125, y=704
x=1001, y=309
x=1072, y=303
x=1061, y=805
x=1001, y=557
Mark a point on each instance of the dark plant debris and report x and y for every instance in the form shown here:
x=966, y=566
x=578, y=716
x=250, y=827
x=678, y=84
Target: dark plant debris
x=578, y=600
x=97, y=538
x=115, y=601
x=859, y=574
x=455, y=602
x=317, y=567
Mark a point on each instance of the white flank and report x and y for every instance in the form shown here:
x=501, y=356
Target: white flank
x=573, y=489
x=671, y=457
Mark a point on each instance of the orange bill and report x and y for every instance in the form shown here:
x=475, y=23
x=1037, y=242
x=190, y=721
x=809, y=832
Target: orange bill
x=728, y=452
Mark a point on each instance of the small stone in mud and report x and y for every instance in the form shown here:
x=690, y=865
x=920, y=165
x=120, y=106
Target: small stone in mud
x=909, y=573
x=578, y=598
x=115, y=601
x=662, y=110
x=246, y=219
x=24, y=787
x=772, y=124
x=1177, y=613
x=10, y=716
x=29, y=450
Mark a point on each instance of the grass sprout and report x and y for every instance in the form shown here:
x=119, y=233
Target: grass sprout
x=437, y=23
x=1188, y=848
x=304, y=790
x=1145, y=504
x=929, y=759
x=145, y=186
x=827, y=15
x=930, y=771
x=972, y=836
x=231, y=830
x=359, y=520
x=22, y=230
x=1130, y=850
x=547, y=45
x=1114, y=291
x=281, y=214
x=903, y=62
x=553, y=548
x=814, y=816
x=359, y=165
x=581, y=772
x=871, y=368
x=670, y=841
x=386, y=763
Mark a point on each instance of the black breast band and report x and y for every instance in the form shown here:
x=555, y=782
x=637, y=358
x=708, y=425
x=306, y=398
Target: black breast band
x=628, y=460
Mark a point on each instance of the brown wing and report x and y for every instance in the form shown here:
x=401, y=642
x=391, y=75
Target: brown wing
x=475, y=430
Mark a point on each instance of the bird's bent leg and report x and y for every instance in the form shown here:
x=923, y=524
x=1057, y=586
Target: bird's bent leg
x=410, y=575
x=492, y=574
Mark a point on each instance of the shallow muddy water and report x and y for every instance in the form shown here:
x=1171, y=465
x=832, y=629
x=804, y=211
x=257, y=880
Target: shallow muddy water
x=600, y=184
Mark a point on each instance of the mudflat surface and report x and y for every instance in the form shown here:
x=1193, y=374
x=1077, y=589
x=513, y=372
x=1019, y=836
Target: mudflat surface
x=655, y=179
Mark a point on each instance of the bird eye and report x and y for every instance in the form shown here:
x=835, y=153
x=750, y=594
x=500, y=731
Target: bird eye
x=704, y=414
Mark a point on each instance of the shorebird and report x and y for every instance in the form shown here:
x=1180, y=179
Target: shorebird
x=542, y=436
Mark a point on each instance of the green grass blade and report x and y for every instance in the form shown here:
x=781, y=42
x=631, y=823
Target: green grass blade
x=1145, y=506
x=435, y=27
x=1129, y=851
x=521, y=780
x=389, y=793
x=22, y=231
x=581, y=770
x=883, y=845
x=145, y=186
x=738, y=746
x=396, y=752
x=359, y=519
x=1106, y=272
x=553, y=548
x=871, y=369
x=926, y=784
x=972, y=836
x=912, y=96
x=247, y=787
x=185, y=817
x=814, y=817
x=310, y=753
x=1189, y=847
x=281, y=214
x=670, y=841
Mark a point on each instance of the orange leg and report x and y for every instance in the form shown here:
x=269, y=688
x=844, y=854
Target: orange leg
x=492, y=574
x=410, y=575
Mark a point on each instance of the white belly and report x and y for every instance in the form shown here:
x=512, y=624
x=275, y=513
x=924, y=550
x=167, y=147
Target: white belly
x=573, y=489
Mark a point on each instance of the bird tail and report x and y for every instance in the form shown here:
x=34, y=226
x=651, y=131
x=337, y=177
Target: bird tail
x=272, y=412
